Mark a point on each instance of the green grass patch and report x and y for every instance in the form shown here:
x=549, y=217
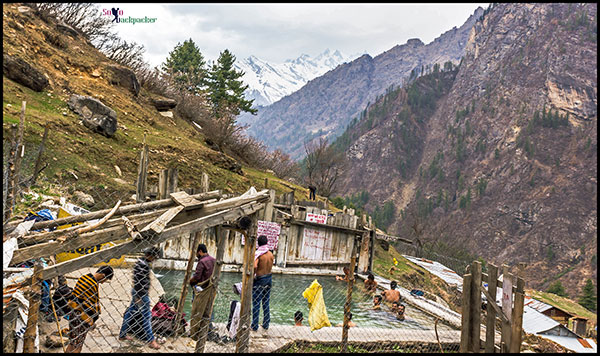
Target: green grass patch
x=565, y=304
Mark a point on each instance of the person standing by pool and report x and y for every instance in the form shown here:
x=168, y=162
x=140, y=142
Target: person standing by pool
x=346, y=275
x=391, y=295
x=140, y=301
x=370, y=283
x=261, y=288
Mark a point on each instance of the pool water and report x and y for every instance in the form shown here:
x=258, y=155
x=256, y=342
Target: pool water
x=286, y=299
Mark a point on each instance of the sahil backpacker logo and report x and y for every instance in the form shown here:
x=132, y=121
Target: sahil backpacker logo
x=132, y=20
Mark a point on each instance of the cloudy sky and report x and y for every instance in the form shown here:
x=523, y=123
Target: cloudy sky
x=276, y=32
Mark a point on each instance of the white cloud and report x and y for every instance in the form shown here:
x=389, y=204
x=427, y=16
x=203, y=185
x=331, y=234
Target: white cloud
x=275, y=32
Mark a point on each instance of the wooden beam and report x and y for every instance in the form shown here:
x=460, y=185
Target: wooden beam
x=185, y=200
x=350, y=283
x=33, y=311
x=162, y=183
x=490, y=325
x=465, y=329
x=123, y=210
x=517, y=317
x=475, y=313
x=221, y=236
x=327, y=227
x=186, y=278
x=485, y=278
x=158, y=225
x=316, y=263
x=142, y=178
x=243, y=332
x=506, y=330
x=495, y=307
x=137, y=246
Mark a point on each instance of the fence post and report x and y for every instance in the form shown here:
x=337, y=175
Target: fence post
x=204, y=182
x=490, y=326
x=475, y=345
x=34, y=306
x=349, y=297
x=38, y=161
x=171, y=181
x=243, y=333
x=221, y=236
x=517, y=315
x=162, y=184
x=505, y=342
x=10, y=199
x=142, y=181
x=465, y=330
x=186, y=279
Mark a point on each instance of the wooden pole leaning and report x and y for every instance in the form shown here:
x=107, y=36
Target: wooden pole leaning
x=349, y=296
x=34, y=307
x=243, y=332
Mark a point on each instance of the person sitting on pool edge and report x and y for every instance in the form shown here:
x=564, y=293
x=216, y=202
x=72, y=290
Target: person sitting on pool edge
x=370, y=284
x=346, y=275
x=391, y=295
x=298, y=317
x=350, y=322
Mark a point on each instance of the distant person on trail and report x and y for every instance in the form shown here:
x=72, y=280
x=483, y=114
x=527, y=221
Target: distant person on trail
x=313, y=192
x=85, y=306
x=377, y=302
x=391, y=295
x=298, y=317
x=261, y=288
x=346, y=276
x=370, y=283
x=140, y=301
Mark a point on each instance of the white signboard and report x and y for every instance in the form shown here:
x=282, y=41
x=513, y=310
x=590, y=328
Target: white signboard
x=314, y=243
x=507, y=296
x=269, y=229
x=321, y=219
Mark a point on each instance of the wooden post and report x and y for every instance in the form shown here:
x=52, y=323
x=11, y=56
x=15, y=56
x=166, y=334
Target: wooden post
x=162, y=184
x=20, y=151
x=349, y=297
x=34, y=307
x=221, y=236
x=268, y=212
x=465, y=330
x=186, y=279
x=243, y=333
x=142, y=181
x=490, y=326
x=475, y=313
x=517, y=315
x=171, y=181
x=204, y=182
x=10, y=199
x=266, y=183
x=38, y=161
x=506, y=331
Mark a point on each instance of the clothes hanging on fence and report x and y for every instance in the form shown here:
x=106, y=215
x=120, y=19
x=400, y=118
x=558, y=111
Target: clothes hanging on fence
x=234, y=318
x=317, y=315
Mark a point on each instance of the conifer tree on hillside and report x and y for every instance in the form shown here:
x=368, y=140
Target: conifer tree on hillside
x=186, y=66
x=588, y=296
x=558, y=289
x=226, y=88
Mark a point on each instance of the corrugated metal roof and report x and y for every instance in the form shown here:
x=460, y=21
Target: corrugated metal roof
x=437, y=269
x=573, y=343
x=535, y=322
x=537, y=305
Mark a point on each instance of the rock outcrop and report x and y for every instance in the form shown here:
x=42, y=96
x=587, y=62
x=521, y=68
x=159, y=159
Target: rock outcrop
x=94, y=114
x=124, y=77
x=164, y=104
x=23, y=73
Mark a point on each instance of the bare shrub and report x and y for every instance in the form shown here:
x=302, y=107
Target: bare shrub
x=323, y=165
x=281, y=163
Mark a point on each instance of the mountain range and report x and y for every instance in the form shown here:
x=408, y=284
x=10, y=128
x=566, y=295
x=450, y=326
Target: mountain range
x=324, y=106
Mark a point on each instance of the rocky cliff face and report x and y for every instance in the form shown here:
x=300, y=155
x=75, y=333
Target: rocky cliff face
x=507, y=168
x=325, y=105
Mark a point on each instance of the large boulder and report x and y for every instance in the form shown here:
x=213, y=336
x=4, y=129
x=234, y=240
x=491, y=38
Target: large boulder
x=66, y=29
x=94, y=114
x=23, y=73
x=163, y=104
x=84, y=198
x=124, y=77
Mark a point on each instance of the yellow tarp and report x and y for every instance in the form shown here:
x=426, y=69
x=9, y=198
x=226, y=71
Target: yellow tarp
x=317, y=314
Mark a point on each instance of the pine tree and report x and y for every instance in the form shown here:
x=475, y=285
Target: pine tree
x=588, y=296
x=558, y=289
x=186, y=66
x=226, y=89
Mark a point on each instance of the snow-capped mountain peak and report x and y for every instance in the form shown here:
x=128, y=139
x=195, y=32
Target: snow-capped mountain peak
x=269, y=82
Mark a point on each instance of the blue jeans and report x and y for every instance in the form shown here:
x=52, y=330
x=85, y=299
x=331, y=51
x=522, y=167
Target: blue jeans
x=146, y=317
x=261, y=294
x=45, y=306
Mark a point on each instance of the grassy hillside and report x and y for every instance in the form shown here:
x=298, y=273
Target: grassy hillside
x=565, y=304
x=73, y=66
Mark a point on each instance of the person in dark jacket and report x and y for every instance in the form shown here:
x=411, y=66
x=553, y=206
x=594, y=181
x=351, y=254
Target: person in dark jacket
x=140, y=302
x=61, y=298
x=204, y=268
